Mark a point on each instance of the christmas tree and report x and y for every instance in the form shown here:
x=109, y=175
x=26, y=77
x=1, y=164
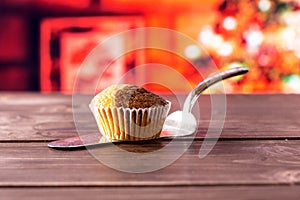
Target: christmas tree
x=263, y=35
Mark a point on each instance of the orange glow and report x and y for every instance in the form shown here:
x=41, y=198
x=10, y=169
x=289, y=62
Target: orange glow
x=262, y=35
x=158, y=7
x=73, y=39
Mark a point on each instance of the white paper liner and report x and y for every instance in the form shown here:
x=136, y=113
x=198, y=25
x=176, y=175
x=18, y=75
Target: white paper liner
x=126, y=124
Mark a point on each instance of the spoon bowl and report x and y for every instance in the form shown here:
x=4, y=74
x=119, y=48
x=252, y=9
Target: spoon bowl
x=179, y=124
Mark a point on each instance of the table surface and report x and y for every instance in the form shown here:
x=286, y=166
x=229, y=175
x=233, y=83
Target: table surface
x=256, y=157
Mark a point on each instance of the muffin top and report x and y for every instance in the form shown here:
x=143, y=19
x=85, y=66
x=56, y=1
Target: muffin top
x=128, y=96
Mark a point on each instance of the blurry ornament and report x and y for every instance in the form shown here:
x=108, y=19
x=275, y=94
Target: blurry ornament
x=264, y=60
x=229, y=23
x=192, y=51
x=206, y=35
x=225, y=49
x=291, y=84
x=210, y=39
x=216, y=41
x=291, y=18
x=288, y=38
x=254, y=37
x=267, y=56
x=264, y=5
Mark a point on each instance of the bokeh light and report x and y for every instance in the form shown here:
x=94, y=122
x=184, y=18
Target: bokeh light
x=229, y=23
x=192, y=51
x=225, y=49
x=254, y=37
x=264, y=5
x=206, y=35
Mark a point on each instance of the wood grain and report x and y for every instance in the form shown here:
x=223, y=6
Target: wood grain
x=256, y=157
x=229, y=163
x=35, y=117
x=150, y=193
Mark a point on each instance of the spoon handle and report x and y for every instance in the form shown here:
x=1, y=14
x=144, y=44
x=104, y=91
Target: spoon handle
x=194, y=95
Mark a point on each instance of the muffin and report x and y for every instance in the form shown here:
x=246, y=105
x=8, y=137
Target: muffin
x=126, y=112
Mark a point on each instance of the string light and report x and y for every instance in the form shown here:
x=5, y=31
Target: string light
x=289, y=38
x=254, y=37
x=292, y=83
x=264, y=5
x=206, y=35
x=216, y=41
x=225, y=49
x=229, y=23
x=192, y=51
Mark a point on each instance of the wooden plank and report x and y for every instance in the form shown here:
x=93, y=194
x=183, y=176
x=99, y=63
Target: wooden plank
x=35, y=117
x=150, y=193
x=230, y=163
x=39, y=117
x=23, y=114
x=257, y=116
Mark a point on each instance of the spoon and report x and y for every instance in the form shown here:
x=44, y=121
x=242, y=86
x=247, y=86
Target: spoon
x=174, y=125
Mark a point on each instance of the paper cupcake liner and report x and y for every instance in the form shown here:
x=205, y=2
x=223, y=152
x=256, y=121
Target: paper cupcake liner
x=125, y=124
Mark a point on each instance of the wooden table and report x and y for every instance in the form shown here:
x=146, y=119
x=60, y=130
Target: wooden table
x=256, y=157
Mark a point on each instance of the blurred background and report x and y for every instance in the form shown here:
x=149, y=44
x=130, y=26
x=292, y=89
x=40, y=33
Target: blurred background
x=44, y=42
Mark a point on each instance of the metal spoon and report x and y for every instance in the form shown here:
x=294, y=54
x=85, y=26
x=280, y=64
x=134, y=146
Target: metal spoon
x=174, y=126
